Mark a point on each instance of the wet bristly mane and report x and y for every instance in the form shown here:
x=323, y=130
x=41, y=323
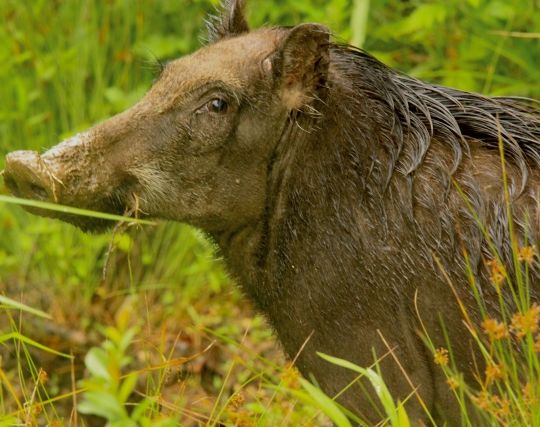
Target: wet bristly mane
x=424, y=111
x=400, y=144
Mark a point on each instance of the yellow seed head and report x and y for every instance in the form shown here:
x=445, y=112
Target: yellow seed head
x=43, y=377
x=38, y=409
x=497, y=272
x=482, y=400
x=524, y=323
x=537, y=344
x=290, y=376
x=528, y=394
x=453, y=383
x=237, y=400
x=494, y=372
x=494, y=329
x=527, y=254
x=441, y=356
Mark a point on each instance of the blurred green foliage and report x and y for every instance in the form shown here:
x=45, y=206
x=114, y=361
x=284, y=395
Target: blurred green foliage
x=69, y=64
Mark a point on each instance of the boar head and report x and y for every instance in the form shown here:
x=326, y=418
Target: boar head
x=199, y=146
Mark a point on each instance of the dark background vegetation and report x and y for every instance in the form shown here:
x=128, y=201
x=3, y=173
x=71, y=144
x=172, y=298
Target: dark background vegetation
x=65, y=65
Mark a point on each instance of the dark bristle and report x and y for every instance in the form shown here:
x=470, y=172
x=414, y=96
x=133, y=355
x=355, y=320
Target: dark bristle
x=228, y=20
x=157, y=66
x=425, y=111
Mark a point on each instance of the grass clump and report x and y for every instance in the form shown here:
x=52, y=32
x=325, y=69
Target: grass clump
x=507, y=375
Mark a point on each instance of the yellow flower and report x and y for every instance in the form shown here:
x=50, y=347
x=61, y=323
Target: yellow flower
x=42, y=377
x=494, y=372
x=38, y=409
x=501, y=406
x=497, y=272
x=482, y=400
x=528, y=394
x=290, y=376
x=495, y=330
x=241, y=419
x=237, y=400
x=453, y=383
x=525, y=323
x=497, y=279
x=527, y=254
x=441, y=356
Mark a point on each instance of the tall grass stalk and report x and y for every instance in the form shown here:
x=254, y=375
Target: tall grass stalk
x=359, y=22
x=508, y=390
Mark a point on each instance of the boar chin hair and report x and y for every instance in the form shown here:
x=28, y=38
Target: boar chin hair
x=155, y=189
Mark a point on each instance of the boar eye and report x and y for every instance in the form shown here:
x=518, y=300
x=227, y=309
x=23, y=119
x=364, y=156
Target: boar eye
x=218, y=105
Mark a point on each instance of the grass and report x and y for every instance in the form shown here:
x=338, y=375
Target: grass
x=54, y=207
x=181, y=345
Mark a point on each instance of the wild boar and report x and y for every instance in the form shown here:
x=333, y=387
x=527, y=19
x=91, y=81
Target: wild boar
x=336, y=189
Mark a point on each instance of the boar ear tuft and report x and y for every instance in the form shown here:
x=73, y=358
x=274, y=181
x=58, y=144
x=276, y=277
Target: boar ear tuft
x=230, y=21
x=304, y=64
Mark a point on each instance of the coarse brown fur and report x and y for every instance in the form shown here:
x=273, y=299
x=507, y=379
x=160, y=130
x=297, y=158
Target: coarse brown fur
x=331, y=184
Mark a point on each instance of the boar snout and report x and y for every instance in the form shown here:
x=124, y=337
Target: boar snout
x=25, y=176
x=69, y=174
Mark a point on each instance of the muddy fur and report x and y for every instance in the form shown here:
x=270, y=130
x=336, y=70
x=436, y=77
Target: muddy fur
x=334, y=188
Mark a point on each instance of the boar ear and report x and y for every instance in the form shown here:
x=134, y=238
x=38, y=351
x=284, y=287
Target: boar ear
x=230, y=21
x=303, y=64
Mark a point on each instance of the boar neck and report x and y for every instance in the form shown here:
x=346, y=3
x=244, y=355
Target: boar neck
x=279, y=259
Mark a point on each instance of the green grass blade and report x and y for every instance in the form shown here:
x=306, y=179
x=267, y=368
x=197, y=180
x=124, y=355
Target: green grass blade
x=72, y=210
x=12, y=304
x=359, y=20
x=402, y=417
x=326, y=404
x=396, y=415
x=28, y=341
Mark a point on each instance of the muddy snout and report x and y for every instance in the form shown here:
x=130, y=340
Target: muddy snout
x=26, y=175
x=56, y=177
